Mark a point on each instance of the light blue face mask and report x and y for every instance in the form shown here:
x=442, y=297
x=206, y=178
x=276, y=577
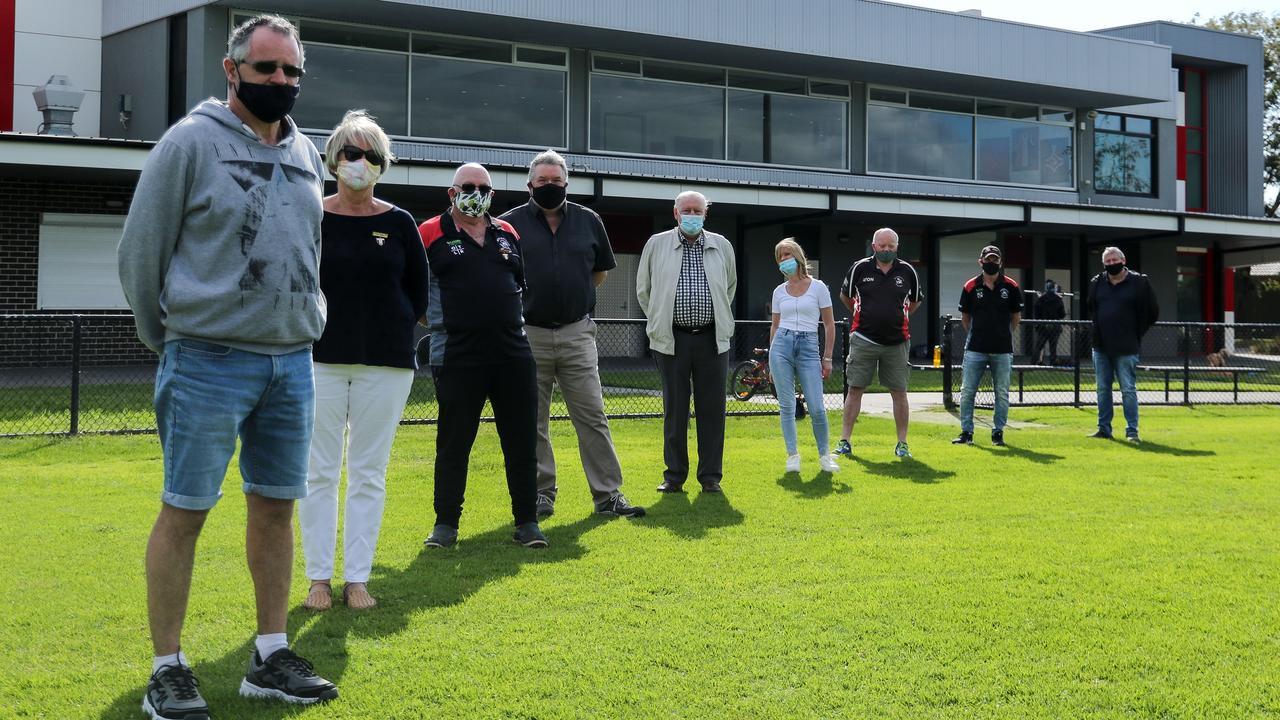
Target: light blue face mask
x=691, y=224
x=788, y=266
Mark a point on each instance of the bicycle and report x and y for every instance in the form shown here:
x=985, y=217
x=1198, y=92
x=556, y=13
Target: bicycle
x=750, y=377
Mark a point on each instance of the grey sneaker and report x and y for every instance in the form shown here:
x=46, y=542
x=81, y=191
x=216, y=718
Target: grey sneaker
x=619, y=505
x=442, y=536
x=901, y=449
x=285, y=676
x=174, y=694
x=546, y=506
x=529, y=535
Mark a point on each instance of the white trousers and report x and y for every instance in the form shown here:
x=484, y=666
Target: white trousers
x=361, y=404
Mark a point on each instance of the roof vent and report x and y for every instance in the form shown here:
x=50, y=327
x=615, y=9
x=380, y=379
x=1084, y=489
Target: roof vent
x=58, y=100
x=974, y=12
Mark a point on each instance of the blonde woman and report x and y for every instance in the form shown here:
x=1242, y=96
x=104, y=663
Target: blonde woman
x=800, y=305
x=374, y=277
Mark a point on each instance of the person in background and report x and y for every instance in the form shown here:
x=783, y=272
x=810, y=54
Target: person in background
x=374, y=277
x=800, y=305
x=1049, y=306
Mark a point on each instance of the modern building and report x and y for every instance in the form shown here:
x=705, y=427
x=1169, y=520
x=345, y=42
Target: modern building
x=821, y=123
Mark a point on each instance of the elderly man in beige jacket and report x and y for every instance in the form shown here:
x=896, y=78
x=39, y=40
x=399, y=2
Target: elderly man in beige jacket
x=685, y=284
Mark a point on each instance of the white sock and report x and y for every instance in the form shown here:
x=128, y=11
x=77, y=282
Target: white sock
x=268, y=644
x=160, y=661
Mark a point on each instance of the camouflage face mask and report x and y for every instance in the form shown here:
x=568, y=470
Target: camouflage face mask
x=473, y=204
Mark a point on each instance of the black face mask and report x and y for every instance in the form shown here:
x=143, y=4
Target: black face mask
x=1115, y=269
x=269, y=103
x=991, y=268
x=548, y=197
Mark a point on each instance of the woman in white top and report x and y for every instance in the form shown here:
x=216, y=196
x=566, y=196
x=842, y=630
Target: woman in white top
x=799, y=305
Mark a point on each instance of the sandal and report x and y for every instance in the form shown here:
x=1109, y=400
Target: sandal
x=357, y=597
x=320, y=596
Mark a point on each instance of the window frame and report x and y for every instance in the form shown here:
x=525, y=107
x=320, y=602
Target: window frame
x=1153, y=136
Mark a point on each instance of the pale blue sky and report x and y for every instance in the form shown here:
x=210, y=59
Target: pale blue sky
x=1096, y=14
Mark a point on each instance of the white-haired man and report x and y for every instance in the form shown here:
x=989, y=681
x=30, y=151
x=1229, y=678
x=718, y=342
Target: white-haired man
x=685, y=283
x=566, y=257
x=1122, y=305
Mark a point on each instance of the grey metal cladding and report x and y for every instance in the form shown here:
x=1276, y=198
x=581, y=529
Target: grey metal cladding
x=1231, y=183
x=868, y=32
x=118, y=15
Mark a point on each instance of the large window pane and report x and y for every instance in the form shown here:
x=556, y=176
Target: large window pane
x=339, y=79
x=462, y=100
x=1023, y=152
x=746, y=126
x=807, y=131
x=354, y=36
x=918, y=142
x=1195, y=182
x=656, y=118
x=1121, y=163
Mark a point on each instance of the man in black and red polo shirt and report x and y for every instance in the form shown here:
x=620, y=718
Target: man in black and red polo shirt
x=881, y=291
x=990, y=308
x=479, y=351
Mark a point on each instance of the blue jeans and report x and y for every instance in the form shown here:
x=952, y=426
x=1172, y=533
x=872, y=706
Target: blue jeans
x=973, y=366
x=794, y=356
x=1123, y=368
x=207, y=395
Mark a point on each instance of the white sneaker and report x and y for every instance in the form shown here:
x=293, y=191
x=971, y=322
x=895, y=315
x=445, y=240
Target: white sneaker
x=793, y=463
x=829, y=463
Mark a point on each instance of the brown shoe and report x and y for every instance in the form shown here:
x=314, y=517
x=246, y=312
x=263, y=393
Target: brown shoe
x=357, y=597
x=319, y=597
x=670, y=486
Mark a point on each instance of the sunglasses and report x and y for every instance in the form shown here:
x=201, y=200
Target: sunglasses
x=351, y=153
x=472, y=187
x=268, y=67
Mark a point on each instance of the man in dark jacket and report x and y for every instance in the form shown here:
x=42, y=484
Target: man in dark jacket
x=1123, y=307
x=1049, y=306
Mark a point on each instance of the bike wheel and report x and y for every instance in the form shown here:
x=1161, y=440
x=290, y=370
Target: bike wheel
x=741, y=384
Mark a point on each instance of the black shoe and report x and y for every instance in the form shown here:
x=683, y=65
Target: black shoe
x=1101, y=434
x=442, y=536
x=620, y=506
x=670, y=486
x=546, y=506
x=997, y=437
x=285, y=676
x=964, y=438
x=711, y=486
x=529, y=535
x=174, y=694
x=1133, y=438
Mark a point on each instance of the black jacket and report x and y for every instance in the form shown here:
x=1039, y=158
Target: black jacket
x=1139, y=313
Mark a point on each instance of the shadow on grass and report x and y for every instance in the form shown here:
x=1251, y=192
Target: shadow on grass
x=35, y=447
x=822, y=485
x=1035, y=457
x=692, y=520
x=905, y=468
x=1151, y=447
x=434, y=579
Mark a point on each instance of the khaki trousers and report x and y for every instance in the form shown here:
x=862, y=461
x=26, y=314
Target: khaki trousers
x=567, y=357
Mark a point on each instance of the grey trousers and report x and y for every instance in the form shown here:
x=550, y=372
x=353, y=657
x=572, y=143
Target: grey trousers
x=695, y=360
x=567, y=357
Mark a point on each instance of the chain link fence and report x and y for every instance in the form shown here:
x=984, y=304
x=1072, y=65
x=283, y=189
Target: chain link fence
x=1181, y=363
x=69, y=374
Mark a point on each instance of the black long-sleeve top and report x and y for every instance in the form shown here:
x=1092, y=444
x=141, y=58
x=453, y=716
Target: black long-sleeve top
x=1122, y=313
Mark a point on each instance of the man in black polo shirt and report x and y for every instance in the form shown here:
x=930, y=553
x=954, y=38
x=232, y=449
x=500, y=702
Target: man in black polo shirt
x=1123, y=307
x=479, y=351
x=881, y=291
x=990, y=308
x=566, y=257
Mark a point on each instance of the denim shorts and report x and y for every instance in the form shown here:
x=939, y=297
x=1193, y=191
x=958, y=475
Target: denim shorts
x=207, y=395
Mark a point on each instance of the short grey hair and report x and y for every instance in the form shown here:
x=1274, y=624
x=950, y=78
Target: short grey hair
x=692, y=193
x=890, y=232
x=1112, y=251
x=238, y=42
x=357, y=124
x=548, y=157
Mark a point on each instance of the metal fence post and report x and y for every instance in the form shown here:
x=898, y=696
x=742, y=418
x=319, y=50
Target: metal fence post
x=948, y=400
x=1186, y=364
x=844, y=362
x=1075, y=361
x=75, y=375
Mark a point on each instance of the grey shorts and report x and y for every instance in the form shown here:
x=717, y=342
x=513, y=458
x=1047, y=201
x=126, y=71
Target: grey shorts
x=865, y=357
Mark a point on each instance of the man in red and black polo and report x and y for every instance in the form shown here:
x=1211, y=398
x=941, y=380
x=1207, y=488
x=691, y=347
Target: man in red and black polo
x=479, y=351
x=881, y=291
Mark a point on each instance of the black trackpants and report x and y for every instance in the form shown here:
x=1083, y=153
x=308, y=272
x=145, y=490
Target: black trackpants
x=461, y=391
x=696, y=359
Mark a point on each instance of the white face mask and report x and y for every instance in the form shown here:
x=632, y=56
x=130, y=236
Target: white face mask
x=358, y=175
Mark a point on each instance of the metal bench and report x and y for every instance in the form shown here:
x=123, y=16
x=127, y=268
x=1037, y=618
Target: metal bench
x=1169, y=370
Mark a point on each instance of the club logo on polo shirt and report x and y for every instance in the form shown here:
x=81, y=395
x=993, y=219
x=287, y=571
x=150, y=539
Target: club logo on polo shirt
x=380, y=238
x=979, y=293
x=1004, y=294
x=504, y=248
x=455, y=247
x=897, y=280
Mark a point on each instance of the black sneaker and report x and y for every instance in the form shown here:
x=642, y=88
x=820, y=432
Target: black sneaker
x=1133, y=438
x=442, y=536
x=619, y=505
x=529, y=535
x=285, y=676
x=964, y=438
x=1101, y=434
x=174, y=694
x=997, y=437
x=546, y=506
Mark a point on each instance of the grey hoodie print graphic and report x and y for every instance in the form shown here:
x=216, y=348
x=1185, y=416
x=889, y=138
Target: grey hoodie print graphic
x=222, y=241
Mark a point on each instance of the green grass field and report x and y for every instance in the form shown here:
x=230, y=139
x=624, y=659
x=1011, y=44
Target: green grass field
x=1057, y=578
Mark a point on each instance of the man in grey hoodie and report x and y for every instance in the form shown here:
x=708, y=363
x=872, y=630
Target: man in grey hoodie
x=219, y=260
